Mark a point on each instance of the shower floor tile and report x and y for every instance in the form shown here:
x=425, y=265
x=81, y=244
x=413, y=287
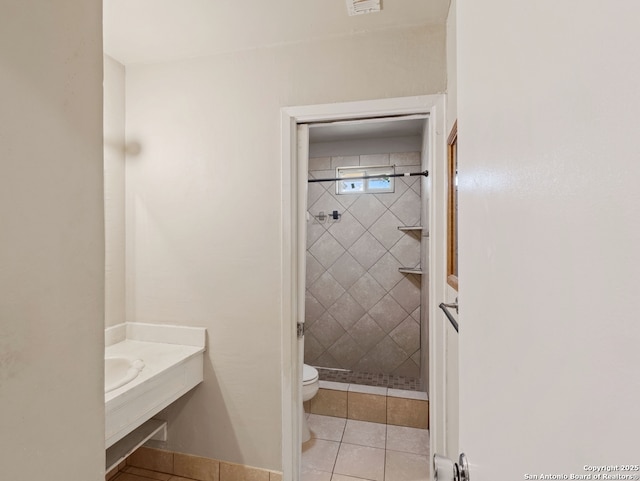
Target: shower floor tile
x=370, y=379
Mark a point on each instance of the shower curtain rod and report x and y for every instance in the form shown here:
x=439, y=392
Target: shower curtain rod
x=380, y=176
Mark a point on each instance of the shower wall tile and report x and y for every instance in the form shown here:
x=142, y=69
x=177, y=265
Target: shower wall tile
x=314, y=269
x=415, y=357
x=367, y=209
x=326, y=203
x=323, y=174
x=314, y=192
x=367, y=332
x=407, y=335
x=312, y=348
x=346, y=351
x=407, y=208
x=409, y=368
x=407, y=292
x=367, y=250
x=326, y=290
x=407, y=250
x=405, y=169
x=389, y=198
x=417, y=187
x=405, y=158
x=327, y=330
x=366, y=291
x=385, y=271
x=388, y=353
x=361, y=312
x=388, y=313
x=314, y=230
x=374, y=159
x=349, y=161
x=320, y=163
x=344, y=200
x=327, y=360
x=347, y=311
x=346, y=270
x=326, y=250
x=312, y=310
x=347, y=230
x=385, y=229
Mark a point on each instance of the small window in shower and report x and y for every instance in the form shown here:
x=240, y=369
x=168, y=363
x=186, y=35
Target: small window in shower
x=365, y=180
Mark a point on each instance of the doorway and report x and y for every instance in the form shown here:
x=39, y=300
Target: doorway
x=295, y=171
x=363, y=252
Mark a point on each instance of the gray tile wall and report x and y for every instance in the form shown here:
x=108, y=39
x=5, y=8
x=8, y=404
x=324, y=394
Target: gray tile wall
x=361, y=313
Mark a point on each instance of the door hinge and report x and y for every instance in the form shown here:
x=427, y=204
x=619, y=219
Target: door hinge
x=300, y=330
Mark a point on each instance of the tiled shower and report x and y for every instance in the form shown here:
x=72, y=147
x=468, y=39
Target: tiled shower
x=363, y=314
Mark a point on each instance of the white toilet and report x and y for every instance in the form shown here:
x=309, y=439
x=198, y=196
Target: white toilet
x=310, y=385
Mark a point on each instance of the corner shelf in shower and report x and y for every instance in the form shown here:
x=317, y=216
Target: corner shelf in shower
x=410, y=270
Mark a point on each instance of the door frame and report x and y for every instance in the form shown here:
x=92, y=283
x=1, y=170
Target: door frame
x=294, y=188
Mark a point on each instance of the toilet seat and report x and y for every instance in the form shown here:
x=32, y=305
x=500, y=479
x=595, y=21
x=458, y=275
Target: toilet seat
x=309, y=375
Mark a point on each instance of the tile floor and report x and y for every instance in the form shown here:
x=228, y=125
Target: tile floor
x=370, y=379
x=348, y=450
x=131, y=473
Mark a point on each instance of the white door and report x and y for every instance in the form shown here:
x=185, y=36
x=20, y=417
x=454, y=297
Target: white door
x=549, y=176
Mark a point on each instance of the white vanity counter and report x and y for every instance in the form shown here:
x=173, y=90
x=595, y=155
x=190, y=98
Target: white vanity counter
x=173, y=364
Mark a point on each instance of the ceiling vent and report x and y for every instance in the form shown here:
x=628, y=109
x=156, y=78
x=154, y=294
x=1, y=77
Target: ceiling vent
x=357, y=7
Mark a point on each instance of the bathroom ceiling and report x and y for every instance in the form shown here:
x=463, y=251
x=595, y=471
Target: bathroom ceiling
x=144, y=31
x=361, y=130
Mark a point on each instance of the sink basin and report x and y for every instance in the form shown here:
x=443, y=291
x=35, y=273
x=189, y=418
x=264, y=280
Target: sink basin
x=119, y=371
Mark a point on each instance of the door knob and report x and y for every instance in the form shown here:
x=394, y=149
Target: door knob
x=445, y=469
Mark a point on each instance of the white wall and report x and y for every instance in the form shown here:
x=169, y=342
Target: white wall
x=548, y=104
x=452, y=66
x=114, y=162
x=203, y=210
x=52, y=241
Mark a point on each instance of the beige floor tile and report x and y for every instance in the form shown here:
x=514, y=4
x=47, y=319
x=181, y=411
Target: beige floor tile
x=147, y=473
x=309, y=474
x=130, y=477
x=152, y=459
x=408, y=440
x=196, y=467
x=360, y=462
x=319, y=454
x=112, y=472
x=275, y=476
x=406, y=466
x=365, y=433
x=326, y=427
x=342, y=477
x=239, y=472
